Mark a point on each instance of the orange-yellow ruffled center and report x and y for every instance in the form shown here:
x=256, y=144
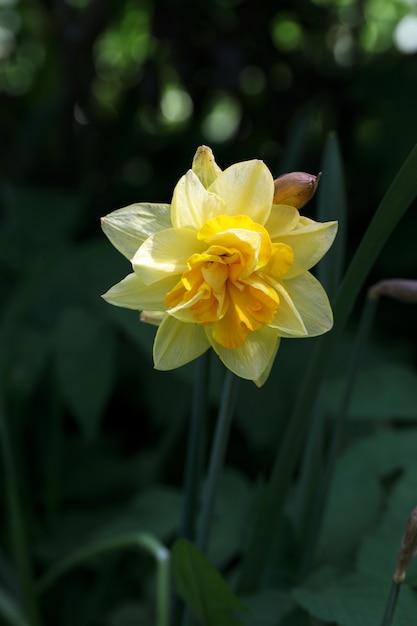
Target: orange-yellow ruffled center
x=227, y=285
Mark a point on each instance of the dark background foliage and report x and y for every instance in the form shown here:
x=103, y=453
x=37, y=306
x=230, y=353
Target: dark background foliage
x=103, y=103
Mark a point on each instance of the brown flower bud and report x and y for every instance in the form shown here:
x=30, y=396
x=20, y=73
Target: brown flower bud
x=398, y=288
x=295, y=188
x=408, y=547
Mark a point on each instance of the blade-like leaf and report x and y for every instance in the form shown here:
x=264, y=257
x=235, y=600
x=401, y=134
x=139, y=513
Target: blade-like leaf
x=332, y=205
x=10, y=612
x=202, y=588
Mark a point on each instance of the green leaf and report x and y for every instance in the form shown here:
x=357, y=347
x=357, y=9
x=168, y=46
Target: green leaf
x=332, y=205
x=85, y=350
x=381, y=392
x=231, y=515
x=356, y=600
x=267, y=607
x=202, y=587
x=356, y=493
x=378, y=552
x=156, y=510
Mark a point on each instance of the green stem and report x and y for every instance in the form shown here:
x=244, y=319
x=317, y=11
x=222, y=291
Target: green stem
x=193, y=465
x=193, y=468
x=17, y=529
x=391, y=604
x=217, y=455
x=139, y=540
x=393, y=206
x=218, y=451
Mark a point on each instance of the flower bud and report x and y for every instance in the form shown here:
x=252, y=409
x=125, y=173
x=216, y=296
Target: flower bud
x=295, y=188
x=152, y=317
x=204, y=166
x=408, y=547
x=398, y=288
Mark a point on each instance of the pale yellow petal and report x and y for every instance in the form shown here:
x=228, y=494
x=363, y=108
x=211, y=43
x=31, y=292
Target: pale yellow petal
x=204, y=166
x=309, y=244
x=282, y=220
x=192, y=205
x=128, y=228
x=265, y=374
x=252, y=358
x=166, y=252
x=177, y=343
x=311, y=302
x=288, y=320
x=132, y=293
x=247, y=189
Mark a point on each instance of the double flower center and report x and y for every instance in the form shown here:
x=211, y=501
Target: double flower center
x=231, y=284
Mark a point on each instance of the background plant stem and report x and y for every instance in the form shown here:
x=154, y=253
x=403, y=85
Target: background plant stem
x=391, y=604
x=18, y=537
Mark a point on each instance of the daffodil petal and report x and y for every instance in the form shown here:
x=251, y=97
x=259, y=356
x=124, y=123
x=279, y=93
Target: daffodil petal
x=177, y=343
x=287, y=320
x=128, y=228
x=192, y=205
x=166, y=252
x=265, y=374
x=183, y=310
x=132, y=293
x=311, y=302
x=309, y=244
x=247, y=189
x=253, y=357
x=282, y=220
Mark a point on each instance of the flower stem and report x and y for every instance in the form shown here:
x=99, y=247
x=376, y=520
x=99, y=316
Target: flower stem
x=217, y=455
x=19, y=543
x=193, y=465
x=391, y=603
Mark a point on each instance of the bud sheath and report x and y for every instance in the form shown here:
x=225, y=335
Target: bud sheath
x=295, y=188
x=408, y=547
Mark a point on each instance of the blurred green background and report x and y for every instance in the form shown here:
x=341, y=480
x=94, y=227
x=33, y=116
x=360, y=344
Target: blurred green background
x=102, y=104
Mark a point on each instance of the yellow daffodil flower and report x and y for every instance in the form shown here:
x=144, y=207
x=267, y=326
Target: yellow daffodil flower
x=224, y=266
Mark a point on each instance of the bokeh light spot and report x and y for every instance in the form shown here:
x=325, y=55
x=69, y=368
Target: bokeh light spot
x=287, y=33
x=176, y=105
x=252, y=80
x=405, y=34
x=223, y=120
